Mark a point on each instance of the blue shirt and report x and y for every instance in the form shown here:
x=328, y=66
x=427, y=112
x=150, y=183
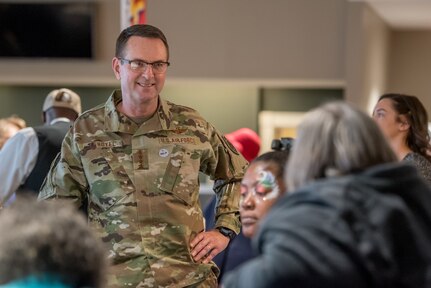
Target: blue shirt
x=36, y=282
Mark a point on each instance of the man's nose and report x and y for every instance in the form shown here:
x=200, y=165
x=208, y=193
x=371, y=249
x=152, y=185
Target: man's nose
x=148, y=71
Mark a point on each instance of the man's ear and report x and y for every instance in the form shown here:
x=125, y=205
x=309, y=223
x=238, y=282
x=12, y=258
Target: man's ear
x=116, y=67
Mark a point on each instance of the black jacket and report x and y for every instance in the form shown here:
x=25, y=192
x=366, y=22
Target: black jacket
x=371, y=229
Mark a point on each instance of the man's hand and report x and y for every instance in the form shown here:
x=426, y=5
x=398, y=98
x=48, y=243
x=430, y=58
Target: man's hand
x=206, y=245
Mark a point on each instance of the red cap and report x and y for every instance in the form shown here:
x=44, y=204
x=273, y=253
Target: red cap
x=246, y=141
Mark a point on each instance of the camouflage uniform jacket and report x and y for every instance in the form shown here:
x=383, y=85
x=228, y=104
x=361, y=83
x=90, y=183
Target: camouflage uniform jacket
x=142, y=188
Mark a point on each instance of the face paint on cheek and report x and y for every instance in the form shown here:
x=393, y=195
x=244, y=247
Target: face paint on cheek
x=267, y=180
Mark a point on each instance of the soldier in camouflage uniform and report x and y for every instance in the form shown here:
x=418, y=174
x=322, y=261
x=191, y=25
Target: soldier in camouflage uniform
x=136, y=160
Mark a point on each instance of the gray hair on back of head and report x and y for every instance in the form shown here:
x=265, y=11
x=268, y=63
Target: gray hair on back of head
x=335, y=139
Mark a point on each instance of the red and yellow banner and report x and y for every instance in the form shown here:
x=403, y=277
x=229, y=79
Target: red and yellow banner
x=133, y=12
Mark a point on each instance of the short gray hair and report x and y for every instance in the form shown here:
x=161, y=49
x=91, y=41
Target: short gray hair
x=46, y=238
x=335, y=139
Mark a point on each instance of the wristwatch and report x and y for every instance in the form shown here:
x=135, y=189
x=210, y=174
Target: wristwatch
x=226, y=232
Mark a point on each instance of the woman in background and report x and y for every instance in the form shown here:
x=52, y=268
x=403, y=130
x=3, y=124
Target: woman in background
x=404, y=121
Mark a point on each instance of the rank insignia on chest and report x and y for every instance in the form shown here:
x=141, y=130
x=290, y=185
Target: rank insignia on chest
x=179, y=130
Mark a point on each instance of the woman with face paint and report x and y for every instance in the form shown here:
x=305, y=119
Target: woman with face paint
x=261, y=186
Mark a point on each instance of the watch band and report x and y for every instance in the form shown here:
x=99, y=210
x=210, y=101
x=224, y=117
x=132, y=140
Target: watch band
x=226, y=232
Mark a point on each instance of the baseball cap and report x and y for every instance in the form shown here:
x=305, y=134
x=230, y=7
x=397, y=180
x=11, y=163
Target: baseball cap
x=63, y=97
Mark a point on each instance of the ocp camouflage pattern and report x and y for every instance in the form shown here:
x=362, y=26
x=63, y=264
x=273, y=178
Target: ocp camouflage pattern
x=142, y=188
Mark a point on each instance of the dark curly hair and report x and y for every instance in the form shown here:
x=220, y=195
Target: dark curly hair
x=418, y=138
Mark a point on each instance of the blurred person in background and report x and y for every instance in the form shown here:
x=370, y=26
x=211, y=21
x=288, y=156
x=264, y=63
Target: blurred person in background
x=404, y=121
x=10, y=126
x=48, y=245
x=27, y=156
x=354, y=216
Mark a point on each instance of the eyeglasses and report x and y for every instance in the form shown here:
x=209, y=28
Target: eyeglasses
x=141, y=66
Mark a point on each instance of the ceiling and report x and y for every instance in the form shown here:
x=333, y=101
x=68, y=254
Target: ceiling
x=404, y=14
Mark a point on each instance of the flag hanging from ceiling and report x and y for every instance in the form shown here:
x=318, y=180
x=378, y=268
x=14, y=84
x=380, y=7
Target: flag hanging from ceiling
x=132, y=12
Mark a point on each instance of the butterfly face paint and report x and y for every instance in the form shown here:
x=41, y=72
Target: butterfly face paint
x=265, y=188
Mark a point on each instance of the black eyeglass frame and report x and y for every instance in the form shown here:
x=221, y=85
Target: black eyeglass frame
x=145, y=65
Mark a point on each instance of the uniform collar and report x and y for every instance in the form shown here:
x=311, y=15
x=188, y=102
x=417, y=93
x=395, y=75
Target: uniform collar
x=118, y=122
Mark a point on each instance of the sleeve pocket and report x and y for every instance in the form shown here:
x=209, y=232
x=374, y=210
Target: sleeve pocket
x=173, y=168
x=181, y=175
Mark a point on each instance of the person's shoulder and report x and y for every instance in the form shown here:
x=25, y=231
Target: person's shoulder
x=89, y=120
x=96, y=111
x=25, y=137
x=25, y=132
x=178, y=107
x=179, y=112
x=422, y=164
x=417, y=158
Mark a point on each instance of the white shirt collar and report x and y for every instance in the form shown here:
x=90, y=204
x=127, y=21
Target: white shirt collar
x=59, y=119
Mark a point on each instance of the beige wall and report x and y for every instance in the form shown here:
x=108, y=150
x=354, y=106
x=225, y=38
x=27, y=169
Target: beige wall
x=222, y=53
x=229, y=106
x=274, y=39
x=410, y=65
x=381, y=60
x=366, y=57
x=244, y=39
x=225, y=49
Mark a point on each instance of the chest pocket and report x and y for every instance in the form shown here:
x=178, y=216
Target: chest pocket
x=114, y=188
x=109, y=182
x=181, y=174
